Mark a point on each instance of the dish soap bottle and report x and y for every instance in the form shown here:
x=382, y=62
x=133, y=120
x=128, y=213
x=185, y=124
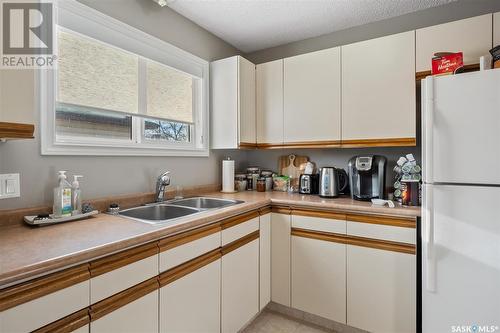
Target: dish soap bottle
x=62, y=197
x=76, y=196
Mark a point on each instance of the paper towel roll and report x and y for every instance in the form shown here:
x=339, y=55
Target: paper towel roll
x=228, y=176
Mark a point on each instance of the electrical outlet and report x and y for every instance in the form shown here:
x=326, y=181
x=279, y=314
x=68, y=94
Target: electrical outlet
x=9, y=186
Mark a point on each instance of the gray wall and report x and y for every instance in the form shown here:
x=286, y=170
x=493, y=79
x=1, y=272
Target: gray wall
x=428, y=17
x=106, y=176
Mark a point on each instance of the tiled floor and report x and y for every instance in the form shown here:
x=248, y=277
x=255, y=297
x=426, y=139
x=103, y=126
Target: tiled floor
x=273, y=322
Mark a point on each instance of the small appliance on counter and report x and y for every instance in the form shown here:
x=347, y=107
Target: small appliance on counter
x=332, y=182
x=309, y=184
x=367, y=177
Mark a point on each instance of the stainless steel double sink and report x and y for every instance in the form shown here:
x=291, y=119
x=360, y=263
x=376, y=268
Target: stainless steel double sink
x=171, y=211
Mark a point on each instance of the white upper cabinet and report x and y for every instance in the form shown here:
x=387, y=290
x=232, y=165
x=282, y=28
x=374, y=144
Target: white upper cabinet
x=378, y=90
x=312, y=95
x=232, y=122
x=496, y=29
x=269, y=90
x=471, y=36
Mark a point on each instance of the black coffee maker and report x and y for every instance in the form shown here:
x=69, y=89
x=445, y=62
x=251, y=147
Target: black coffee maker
x=367, y=177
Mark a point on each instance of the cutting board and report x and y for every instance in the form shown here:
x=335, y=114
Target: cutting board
x=290, y=165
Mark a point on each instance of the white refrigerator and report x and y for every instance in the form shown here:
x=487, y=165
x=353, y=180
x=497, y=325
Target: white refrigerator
x=461, y=203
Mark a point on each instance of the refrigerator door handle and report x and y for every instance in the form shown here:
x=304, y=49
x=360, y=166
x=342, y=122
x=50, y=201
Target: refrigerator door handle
x=429, y=257
x=428, y=126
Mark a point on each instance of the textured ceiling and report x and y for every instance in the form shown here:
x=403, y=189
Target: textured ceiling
x=252, y=25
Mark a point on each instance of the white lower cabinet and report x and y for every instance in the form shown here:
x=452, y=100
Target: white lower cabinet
x=381, y=290
x=265, y=260
x=49, y=306
x=319, y=277
x=280, y=258
x=240, y=286
x=192, y=303
x=140, y=315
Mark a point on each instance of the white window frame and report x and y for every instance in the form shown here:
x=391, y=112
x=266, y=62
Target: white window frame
x=76, y=17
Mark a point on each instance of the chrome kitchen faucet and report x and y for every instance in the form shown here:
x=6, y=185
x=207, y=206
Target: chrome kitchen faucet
x=161, y=184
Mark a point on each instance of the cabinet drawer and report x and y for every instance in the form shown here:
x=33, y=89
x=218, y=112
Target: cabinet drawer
x=178, y=249
x=37, y=303
x=239, y=226
x=384, y=232
x=319, y=221
x=132, y=310
x=123, y=270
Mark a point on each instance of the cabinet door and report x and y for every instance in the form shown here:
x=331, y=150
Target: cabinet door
x=472, y=36
x=192, y=303
x=312, y=97
x=496, y=29
x=378, y=90
x=280, y=258
x=224, y=103
x=265, y=260
x=240, y=286
x=246, y=121
x=140, y=315
x=232, y=101
x=319, y=277
x=269, y=90
x=381, y=290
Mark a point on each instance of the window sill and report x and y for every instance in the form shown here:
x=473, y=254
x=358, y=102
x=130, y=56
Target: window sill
x=120, y=151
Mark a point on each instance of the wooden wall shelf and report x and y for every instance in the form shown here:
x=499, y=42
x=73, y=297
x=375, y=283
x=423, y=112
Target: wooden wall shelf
x=16, y=131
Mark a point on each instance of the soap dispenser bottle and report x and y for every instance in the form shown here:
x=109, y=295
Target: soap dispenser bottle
x=62, y=197
x=76, y=196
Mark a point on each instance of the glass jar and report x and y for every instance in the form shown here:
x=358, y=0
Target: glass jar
x=240, y=182
x=261, y=184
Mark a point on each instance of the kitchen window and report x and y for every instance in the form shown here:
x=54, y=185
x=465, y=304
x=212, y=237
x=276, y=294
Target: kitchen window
x=119, y=91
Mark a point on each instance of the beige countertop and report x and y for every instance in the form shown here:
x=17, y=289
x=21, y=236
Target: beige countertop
x=27, y=252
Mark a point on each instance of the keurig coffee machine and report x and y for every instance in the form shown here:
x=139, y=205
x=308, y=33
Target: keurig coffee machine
x=367, y=177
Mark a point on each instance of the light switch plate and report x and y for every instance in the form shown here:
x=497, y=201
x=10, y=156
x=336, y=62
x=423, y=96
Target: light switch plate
x=9, y=186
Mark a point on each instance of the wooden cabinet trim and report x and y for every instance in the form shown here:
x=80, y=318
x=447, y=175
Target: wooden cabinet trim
x=247, y=145
x=313, y=144
x=319, y=235
x=263, y=145
x=281, y=209
x=265, y=210
x=188, y=267
x=467, y=68
x=357, y=143
x=355, y=240
x=189, y=236
x=120, y=259
x=384, y=220
x=67, y=324
x=123, y=298
x=16, y=131
x=239, y=242
x=30, y=290
x=235, y=220
x=390, y=142
x=382, y=244
x=319, y=213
